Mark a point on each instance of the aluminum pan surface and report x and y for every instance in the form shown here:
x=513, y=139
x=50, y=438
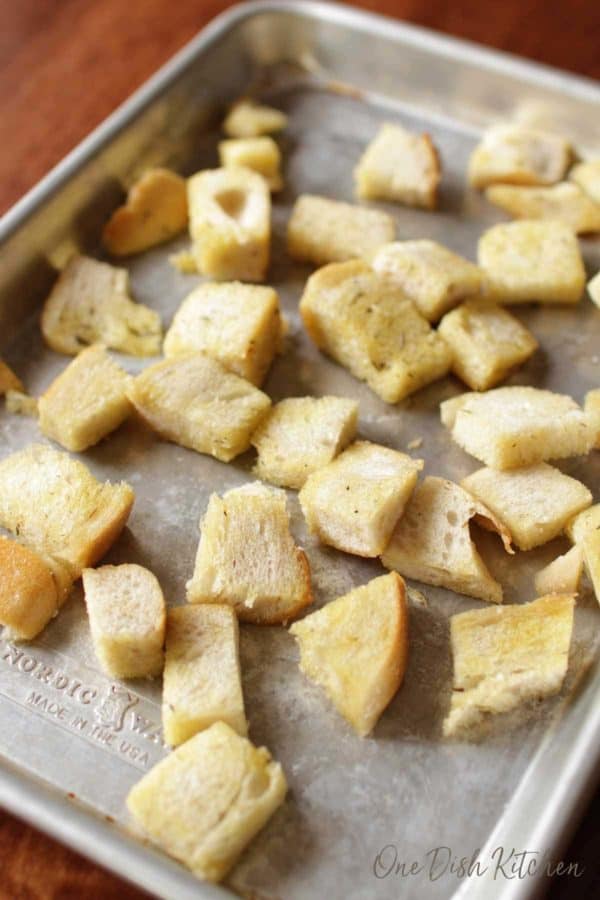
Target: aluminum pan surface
x=349, y=798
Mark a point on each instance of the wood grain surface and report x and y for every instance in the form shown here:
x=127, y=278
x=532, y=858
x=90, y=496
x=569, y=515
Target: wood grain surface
x=64, y=66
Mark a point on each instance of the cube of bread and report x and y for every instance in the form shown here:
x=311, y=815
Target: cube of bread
x=247, y=119
x=154, y=212
x=432, y=541
x=593, y=287
x=247, y=557
x=321, y=230
x=194, y=401
x=8, y=380
x=531, y=262
x=368, y=325
x=399, y=166
x=591, y=554
x=126, y=609
x=487, y=343
x=205, y=802
x=584, y=522
x=513, y=154
x=354, y=502
x=534, y=502
x=591, y=406
x=562, y=575
x=90, y=304
x=587, y=175
x=511, y=427
x=28, y=591
x=237, y=324
x=356, y=649
x=86, y=402
x=261, y=154
x=565, y=202
x=202, y=678
x=55, y=505
x=432, y=276
x=21, y=404
x=505, y=656
x=230, y=223
x=302, y=434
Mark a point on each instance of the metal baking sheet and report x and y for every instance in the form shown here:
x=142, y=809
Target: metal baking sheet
x=72, y=742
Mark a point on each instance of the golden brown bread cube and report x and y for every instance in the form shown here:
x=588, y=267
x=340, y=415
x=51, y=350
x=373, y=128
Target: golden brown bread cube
x=591, y=554
x=507, y=655
x=205, y=802
x=240, y=325
x=21, y=404
x=86, y=401
x=322, y=231
x=531, y=262
x=354, y=502
x=587, y=175
x=90, y=304
x=300, y=435
x=154, y=212
x=126, y=610
x=247, y=119
x=230, y=223
x=368, y=325
x=29, y=596
x=514, y=154
x=194, y=401
x=562, y=575
x=8, y=380
x=593, y=287
x=510, y=427
x=202, y=678
x=399, y=166
x=591, y=407
x=432, y=276
x=247, y=557
x=584, y=522
x=55, y=505
x=261, y=154
x=534, y=502
x=565, y=202
x=432, y=541
x=356, y=649
x=486, y=341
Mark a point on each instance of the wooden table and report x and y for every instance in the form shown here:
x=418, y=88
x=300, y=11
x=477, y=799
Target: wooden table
x=66, y=64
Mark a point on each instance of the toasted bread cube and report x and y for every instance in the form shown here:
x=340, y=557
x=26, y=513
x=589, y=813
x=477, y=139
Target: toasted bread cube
x=506, y=656
x=237, y=324
x=202, y=678
x=154, y=212
x=28, y=591
x=584, y=522
x=354, y=502
x=230, y=224
x=21, y=404
x=511, y=427
x=399, y=166
x=534, y=502
x=591, y=554
x=562, y=575
x=565, y=201
x=302, y=434
x=587, y=176
x=261, y=154
x=194, y=401
x=591, y=406
x=487, y=343
x=529, y=261
x=512, y=154
x=368, y=325
x=432, y=542
x=593, y=287
x=247, y=119
x=8, y=380
x=86, y=402
x=356, y=649
x=127, y=614
x=432, y=276
x=205, y=802
x=321, y=230
x=90, y=304
x=247, y=557
x=55, y=505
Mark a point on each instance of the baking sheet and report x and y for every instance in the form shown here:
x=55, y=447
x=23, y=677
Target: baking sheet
x=404, y=789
